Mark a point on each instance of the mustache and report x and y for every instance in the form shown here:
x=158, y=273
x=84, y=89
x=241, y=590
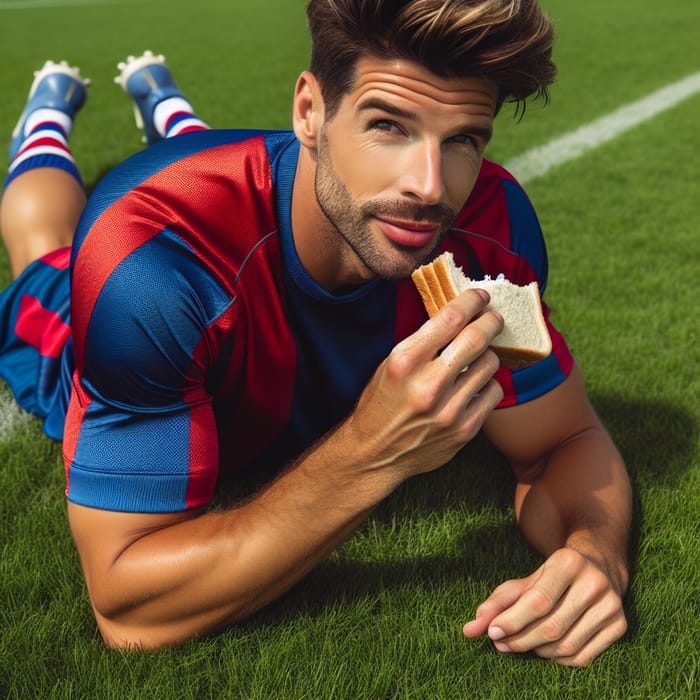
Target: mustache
x=432, y=213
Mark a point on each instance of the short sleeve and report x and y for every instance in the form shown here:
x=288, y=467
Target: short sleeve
x=140, y=431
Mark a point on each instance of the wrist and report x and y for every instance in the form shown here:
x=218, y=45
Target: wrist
x=612, y=563
x=348, y=465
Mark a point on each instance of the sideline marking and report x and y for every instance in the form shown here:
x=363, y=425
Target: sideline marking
x=11, y=417
x=541, y=159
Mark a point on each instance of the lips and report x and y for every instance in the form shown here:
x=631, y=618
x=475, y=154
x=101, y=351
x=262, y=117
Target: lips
x=412, y=234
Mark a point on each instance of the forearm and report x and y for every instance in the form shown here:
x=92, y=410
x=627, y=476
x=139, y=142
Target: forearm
x=581, y=498
x=161, y=579
x=194, y=576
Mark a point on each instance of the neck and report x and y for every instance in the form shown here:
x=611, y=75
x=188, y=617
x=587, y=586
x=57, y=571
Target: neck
x=325, y=255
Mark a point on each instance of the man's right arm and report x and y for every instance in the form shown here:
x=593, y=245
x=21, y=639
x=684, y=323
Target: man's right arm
x=160, y=579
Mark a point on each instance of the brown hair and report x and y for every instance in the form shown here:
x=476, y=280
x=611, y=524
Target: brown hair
x=506, y=42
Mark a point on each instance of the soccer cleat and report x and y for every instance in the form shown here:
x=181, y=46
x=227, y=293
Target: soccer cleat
x=55, y=86
x=147, y=81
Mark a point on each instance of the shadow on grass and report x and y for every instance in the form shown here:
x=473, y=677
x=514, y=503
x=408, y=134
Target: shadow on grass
x=341, y=582
x=657, y=441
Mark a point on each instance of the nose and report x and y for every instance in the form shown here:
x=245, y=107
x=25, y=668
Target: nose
x=421, y=174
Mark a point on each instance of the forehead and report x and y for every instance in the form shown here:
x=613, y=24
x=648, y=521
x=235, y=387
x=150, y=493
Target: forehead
x=405, y=80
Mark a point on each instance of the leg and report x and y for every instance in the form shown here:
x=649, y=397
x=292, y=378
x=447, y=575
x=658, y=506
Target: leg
x=38, y=214
x=160, y=107
x=43, y=196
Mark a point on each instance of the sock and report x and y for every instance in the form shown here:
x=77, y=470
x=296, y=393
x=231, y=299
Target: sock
x=45, y=144
x=174, y=116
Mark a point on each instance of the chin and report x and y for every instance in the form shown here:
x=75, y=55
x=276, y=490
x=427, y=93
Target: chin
x=400, y=263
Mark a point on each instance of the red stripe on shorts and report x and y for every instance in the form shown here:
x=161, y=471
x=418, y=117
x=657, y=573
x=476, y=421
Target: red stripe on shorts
x=41, y=328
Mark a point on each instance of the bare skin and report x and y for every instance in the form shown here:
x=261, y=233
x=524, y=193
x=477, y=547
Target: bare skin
x=158, y=580
x=402, y=137
x=39, y=213
x=573, y=503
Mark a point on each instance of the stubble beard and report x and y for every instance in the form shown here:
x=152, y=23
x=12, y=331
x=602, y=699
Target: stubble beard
x=351, y=222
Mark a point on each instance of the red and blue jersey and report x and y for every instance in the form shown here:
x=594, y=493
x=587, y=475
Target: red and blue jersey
x=201, y=345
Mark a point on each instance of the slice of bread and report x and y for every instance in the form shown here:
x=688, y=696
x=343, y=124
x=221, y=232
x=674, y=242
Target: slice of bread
x=525, y=338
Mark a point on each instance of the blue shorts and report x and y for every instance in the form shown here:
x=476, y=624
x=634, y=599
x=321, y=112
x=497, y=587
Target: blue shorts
x=36, y=350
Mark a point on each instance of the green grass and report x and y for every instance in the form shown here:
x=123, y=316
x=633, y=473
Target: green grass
x=381, y=618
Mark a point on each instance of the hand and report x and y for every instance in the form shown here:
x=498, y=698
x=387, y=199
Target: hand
x=432, y=394
x=568, y=610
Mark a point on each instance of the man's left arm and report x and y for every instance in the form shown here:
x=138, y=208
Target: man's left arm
x=573, y=503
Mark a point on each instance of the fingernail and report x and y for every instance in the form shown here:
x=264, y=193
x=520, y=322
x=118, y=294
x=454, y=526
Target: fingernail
x=500, y=646
x=496, y=633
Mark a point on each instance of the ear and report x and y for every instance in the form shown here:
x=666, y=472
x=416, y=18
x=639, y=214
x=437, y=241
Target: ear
x=308, y=111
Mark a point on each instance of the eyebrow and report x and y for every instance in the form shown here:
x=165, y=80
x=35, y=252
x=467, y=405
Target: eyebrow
x=484, y=132
x=381, y=105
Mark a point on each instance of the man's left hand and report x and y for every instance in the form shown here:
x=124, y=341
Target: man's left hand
x=568, y=610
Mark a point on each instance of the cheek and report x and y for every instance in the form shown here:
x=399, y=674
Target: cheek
x=460, y=177
x=365, y=170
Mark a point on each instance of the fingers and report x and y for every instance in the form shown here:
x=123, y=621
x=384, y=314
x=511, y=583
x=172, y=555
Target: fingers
x=602, y=625
x=470, y=343
x=449, y=334
x=502, y=598
x=567, y=611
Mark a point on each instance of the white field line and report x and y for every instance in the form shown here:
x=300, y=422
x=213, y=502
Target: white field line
x=530, y=165
x=541, y=159
x=11, y=417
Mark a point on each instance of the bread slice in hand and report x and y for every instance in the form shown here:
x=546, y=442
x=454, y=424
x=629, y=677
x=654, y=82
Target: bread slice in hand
x=525, y=338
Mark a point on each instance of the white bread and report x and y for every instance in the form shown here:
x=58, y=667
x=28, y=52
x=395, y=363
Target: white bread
x=525, y=338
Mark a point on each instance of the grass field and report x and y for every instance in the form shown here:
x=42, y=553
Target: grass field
x=382, y=617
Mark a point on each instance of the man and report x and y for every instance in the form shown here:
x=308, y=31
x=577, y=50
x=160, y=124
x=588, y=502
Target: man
x=243, y=300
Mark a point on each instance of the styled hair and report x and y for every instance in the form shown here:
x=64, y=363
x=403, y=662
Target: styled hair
x=506, y=42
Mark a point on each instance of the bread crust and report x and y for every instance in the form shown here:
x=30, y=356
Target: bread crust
x=434, y=282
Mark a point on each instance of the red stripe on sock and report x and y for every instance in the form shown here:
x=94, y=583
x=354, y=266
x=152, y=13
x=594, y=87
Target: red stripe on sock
x=192, y=127
x=45, y=141
x=41, y=328
x=175, y=115
x=47, y=125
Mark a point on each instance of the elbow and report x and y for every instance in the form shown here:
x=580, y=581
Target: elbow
x=142, y=629
x=129, y=628
x=122, y=636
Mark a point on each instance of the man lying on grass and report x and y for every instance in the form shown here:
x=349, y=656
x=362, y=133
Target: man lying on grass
x=243, y=299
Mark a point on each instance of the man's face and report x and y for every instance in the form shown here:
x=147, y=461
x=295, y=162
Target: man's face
x=398, y=160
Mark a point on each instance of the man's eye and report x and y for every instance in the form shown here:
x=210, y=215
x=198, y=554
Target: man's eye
x=385, y=125
x=462, y=138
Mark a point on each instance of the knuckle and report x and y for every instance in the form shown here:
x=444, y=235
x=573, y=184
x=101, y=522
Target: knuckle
x=475, y=338
x=452, y=316
x=583, y=659
x=399, y=362
x=444, y=420
x=423, y=396
x=471, y=425
x=494, y=363
x=497, y=393
x=540, y=601
x=568, y=648
x=598, y=583
x=553, y=629
x=571, y=559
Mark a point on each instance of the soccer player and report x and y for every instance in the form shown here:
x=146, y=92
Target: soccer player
x=242, y=299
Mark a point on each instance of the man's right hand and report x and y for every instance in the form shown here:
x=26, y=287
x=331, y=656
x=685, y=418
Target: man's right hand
x=160, y=579
x=434, y=391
